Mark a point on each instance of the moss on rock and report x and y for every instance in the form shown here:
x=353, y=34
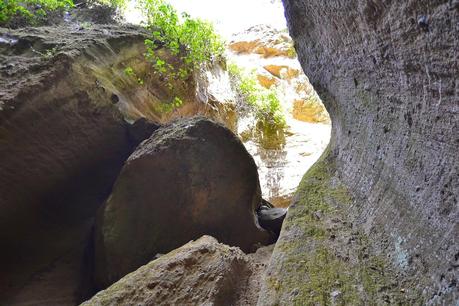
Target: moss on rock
x=321, y=258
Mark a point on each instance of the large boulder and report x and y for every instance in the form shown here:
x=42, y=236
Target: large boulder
x=202, y=272
x=190, y=178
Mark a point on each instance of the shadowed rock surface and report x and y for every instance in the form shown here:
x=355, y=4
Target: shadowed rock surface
x=378, y=214
x=66, y=105
x=271, y=218
x=62, y=144
x=202, y=272
x=190, y=178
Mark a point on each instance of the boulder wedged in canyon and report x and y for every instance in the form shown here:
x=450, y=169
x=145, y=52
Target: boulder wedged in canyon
x=190, y=178
x=202, y=272
x=376, y=220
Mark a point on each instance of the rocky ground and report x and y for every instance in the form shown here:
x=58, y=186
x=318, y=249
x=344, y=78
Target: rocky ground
x=202, y=272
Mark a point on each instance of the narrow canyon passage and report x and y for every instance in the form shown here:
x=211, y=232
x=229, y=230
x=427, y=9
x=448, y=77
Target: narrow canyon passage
x=258, y=44
x=265, y=152
x=95, y=104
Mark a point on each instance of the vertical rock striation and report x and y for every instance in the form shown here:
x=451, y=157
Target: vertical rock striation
x=387, y=72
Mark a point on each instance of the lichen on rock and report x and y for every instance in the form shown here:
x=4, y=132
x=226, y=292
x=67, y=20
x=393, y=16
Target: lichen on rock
x=321, y=257
x=390, y=87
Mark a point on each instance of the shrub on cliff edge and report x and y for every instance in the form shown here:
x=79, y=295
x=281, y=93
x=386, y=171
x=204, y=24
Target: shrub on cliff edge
x=192, y=40
x=265, y=103
x=31, y=10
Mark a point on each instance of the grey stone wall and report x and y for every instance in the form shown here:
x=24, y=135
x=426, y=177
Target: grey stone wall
x=388, y=74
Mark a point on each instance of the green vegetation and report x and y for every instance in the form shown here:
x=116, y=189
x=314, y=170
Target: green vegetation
x=328, y=261
x=31, y=10
x=129, y=71
x=264, y=102
x=178, y=45
x=117, y=4
x=192, y=41
x=34, y=12
x=166, y=108
x=291, y=52
x=47, y=54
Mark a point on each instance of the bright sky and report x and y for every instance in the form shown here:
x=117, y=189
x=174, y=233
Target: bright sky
x=228, y=16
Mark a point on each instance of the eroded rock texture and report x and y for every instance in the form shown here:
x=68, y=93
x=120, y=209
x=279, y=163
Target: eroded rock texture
x=387, y=72
x=62, y=144
x=190, y=178
x=202, y=272
x=66, y=108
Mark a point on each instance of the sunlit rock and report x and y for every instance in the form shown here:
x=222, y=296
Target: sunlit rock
x=266, y=79
x=282, y=71
x=262, y=40
x=278, y=71
x=310, y=110
x=282, y=155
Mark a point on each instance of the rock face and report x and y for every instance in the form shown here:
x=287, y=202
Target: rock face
x=391, y=174
x=66, y=105
x=270, y=54
x=190, y=178
x=62, y=145
x=263, y=40
x=202, y=272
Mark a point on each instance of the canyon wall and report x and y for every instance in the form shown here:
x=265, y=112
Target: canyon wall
x=68, y=121
x=387, y=72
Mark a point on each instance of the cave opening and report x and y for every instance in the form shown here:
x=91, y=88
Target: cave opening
x=262, y=56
